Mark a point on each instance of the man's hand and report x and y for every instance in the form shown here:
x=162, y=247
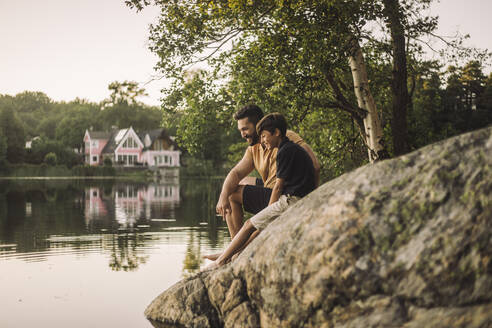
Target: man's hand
x=223, y=207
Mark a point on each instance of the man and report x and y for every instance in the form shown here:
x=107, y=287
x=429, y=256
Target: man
x=294, y=179
x=240, y=190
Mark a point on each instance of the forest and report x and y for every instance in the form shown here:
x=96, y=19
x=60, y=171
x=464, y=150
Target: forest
x=360, y=81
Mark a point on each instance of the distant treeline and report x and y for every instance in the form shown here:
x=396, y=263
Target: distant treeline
x=56, y=129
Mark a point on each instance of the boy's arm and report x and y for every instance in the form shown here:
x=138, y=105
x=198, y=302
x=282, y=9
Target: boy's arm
x=277, y=190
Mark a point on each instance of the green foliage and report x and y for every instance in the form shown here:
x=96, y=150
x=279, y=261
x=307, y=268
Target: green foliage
x=3, y=149
x=447, y=104
x=13, y=132
x=50, y=159
x=88, y=171
x=107, y=161
x=42, y=147
x=125, y=92
x=203, y=128
x=235, y=153
x=291, y=57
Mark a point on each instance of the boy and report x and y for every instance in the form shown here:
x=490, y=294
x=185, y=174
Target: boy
x=295, y=179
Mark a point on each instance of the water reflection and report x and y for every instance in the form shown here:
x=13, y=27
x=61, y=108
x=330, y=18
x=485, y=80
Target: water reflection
x=42, y=218
x=129, y=204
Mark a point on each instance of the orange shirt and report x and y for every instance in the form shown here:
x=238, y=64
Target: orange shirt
x=265, y=160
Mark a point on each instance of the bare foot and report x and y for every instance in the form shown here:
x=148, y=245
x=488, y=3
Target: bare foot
x=212, y=257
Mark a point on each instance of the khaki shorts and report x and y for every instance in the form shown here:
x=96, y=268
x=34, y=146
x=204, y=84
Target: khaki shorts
x=263, y=218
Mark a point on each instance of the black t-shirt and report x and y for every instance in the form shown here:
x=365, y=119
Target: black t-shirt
x=296, y=168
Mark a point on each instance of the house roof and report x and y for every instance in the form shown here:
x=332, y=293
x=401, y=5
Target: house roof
x=114, y=140
x=156, y=134
x=116, y=136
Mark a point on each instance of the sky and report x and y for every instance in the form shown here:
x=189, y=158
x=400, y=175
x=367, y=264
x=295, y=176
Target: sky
x=75, y=48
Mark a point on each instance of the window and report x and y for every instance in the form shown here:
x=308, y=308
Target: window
x=134, y=158
x=165, y=159
x=94, y=158
x=130, y=159
x=130, y=143
x=94, y=143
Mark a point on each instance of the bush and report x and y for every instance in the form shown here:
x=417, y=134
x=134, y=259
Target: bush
x=107, y=161
x=50, y=159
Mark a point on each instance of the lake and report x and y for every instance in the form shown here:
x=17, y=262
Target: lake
x=95, y=253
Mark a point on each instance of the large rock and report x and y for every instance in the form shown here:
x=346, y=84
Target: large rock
x=406, y=242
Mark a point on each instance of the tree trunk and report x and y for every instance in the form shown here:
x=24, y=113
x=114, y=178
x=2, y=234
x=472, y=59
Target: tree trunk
x=399, y=83
x=373, y=133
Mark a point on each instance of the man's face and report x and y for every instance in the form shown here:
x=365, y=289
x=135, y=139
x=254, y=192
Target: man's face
x=247, y=130
x=270, y=140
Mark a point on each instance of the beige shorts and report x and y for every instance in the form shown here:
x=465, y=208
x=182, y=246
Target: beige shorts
x=263, y=218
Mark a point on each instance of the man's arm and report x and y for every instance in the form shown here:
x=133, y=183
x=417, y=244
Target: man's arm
x=276, y=191
x=315, y=163
x=238, y=172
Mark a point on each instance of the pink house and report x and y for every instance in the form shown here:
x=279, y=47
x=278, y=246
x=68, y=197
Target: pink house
x=94, y=143
x=126, y=147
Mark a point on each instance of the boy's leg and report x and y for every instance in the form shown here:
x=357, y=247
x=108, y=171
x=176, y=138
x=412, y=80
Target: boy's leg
x=254, y=198
x=258, y=222
x=236, y=244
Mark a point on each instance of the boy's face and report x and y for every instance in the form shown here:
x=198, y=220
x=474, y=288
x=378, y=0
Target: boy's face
x=270, y=140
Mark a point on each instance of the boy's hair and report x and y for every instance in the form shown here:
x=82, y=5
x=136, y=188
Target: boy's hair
x=251, y=111
x=271, y=122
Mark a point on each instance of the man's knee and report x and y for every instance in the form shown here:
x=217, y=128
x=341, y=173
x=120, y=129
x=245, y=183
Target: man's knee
x=237, y=195
x=248, y=181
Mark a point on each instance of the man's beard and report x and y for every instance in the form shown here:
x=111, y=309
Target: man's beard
x=254, y=139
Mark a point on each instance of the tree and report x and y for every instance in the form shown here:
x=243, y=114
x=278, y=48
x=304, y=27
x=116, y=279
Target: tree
x=3, y=149
x=50, y=159
x=325, y=34
x=201, y=128
x=70, y=131
x=318, y=37
x=125, y=92
x=13, y=131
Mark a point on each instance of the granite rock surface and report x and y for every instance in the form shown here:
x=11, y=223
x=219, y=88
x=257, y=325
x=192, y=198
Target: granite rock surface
x=405, y=242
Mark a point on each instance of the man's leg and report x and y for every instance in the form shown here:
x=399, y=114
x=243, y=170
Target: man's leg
x=248, y=181
x=235, y=218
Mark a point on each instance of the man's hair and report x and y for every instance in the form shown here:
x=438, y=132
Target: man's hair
x=271, y=122
x=252, y=112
